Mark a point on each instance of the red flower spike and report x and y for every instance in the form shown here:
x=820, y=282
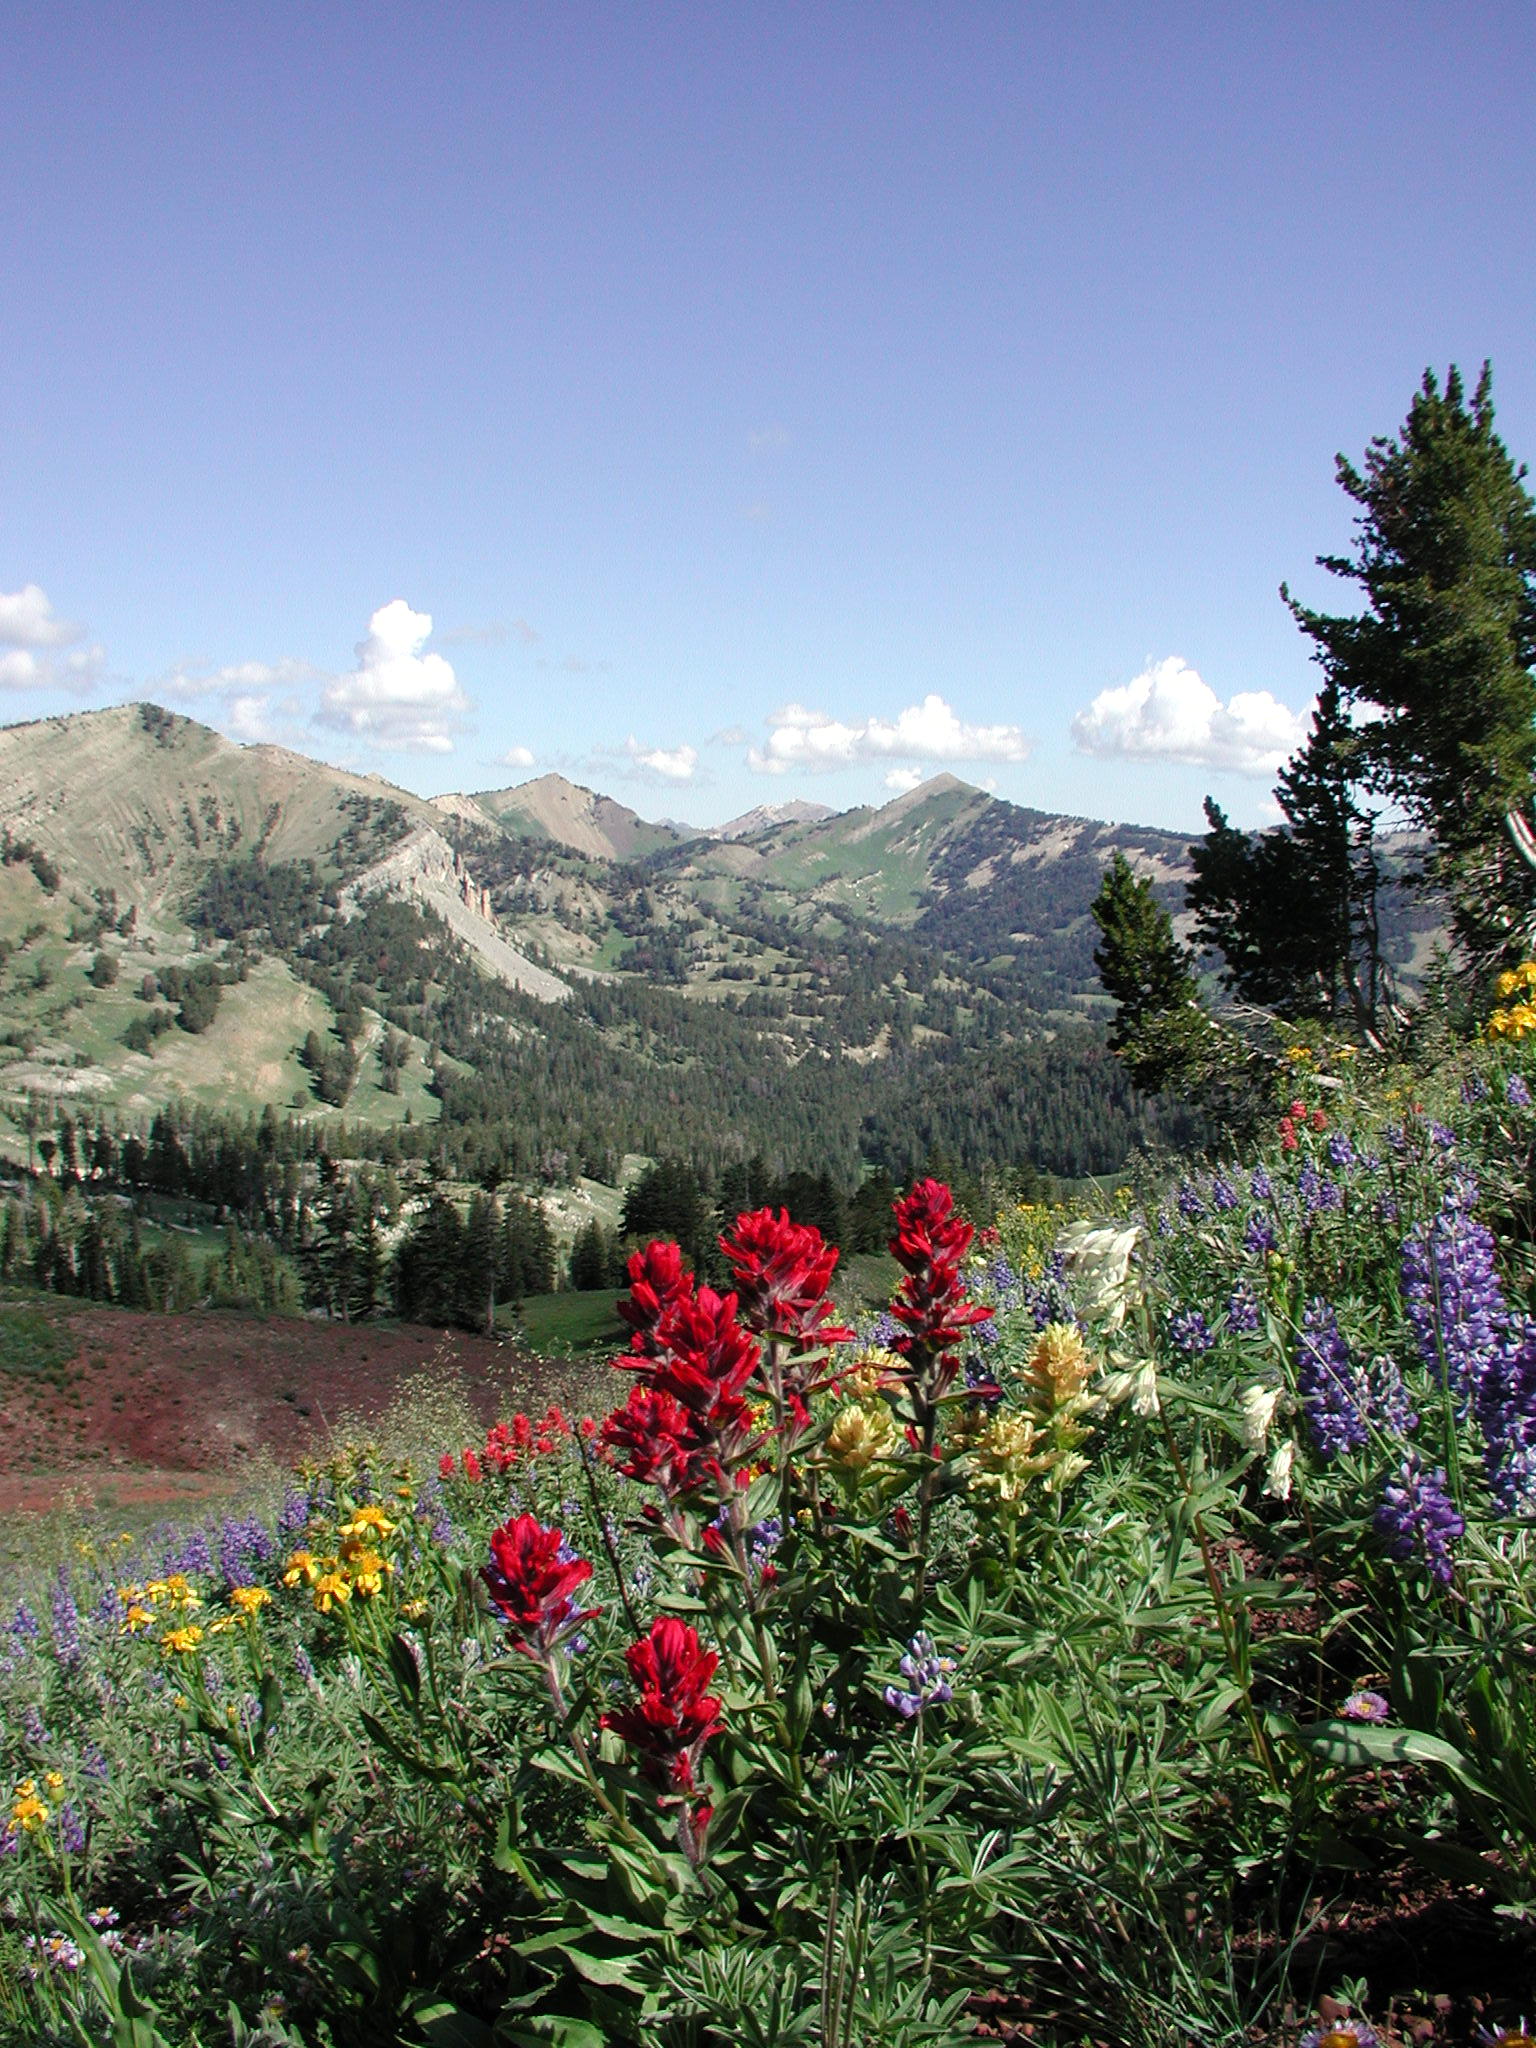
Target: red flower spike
x=675, y=1716
x=657, y=1283
x=930, y=1242
x=782, y=1272
x=472, y=1467
x=533, y=1584
x=445, y=1466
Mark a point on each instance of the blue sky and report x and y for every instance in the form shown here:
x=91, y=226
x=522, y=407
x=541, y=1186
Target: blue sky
x=758, y=401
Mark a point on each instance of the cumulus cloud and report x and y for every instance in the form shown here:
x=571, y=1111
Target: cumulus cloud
x=772, y=436
x=515, y=757
x=930, y=731
x=191, y=680
x=39, y=651
x=902, y=779
x=396, y=696
x=1170, y=713
x=662, y=764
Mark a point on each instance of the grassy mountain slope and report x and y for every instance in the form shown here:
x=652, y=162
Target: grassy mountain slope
x=540, y=962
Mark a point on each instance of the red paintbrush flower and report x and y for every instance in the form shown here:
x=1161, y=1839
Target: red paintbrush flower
x=930, y=1242
x=694, y=1360
x=532, y=1578
x=652, y=1438
x=782, y=1272
x=657, y=1281
x=666, y=1730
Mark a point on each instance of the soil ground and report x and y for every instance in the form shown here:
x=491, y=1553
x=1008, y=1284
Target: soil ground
x=115, y=1408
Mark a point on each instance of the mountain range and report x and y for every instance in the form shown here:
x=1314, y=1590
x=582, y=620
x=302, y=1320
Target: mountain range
x=352, y=948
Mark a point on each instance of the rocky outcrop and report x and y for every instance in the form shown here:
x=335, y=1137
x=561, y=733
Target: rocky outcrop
x=425, y=867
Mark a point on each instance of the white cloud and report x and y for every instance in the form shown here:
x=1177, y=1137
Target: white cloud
x=31, y=644
x=760, y=438
x=396, y=696
x=239, y=679
x=662, y=764
x=902, y=779
x=929, y=731
x=515, y=757
x=26, y=620
x=1169, y=713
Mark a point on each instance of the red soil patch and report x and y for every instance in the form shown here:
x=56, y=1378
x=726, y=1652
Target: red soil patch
x=173, y=1408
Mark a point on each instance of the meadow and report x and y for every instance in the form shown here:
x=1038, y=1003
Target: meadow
x=1126, y=1637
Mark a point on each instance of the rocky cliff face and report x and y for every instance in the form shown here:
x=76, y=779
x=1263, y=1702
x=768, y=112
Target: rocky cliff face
x=424, y=866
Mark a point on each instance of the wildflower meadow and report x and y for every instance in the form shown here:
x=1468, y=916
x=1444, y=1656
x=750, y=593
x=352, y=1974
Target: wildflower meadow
x=1056, y=1652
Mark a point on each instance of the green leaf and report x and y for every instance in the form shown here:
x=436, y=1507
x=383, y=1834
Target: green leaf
x=552, y=2030
x=1358, y=1746
x=449, y=2026
x=404, y=1671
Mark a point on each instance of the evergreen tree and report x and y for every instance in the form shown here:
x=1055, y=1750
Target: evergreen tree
x=1293, y=910
x=1445, y=555
x=1159, y=1029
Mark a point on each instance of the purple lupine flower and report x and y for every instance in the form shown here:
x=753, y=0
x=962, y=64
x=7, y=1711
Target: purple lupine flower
x=1451, y=1294
x=1223, y=1194
x=1190, y=1332
x=927, y=1673
x=1417, y=1517
x=25, y=1626
x=1384, y=1209
x=1046, y=1300
x=1330, y=1195
x=1309, y=1189
x=1474, y=1089
x=1441, y=1136
x=71, y=1830
x=1242, y=1312
x=302, y=1663
x=194, y=1556
x=1329, y=1385
x=1505, y=1404
x=1188, y=1201
x=1396, y=1137
x=66, y=1622
x=1388, y=1403
x=294, y=1513
x=34, y=1727
x=1516, y=1092
x=1259, y=1238
x=1340, y=1151
x=94, y=1763
x=1260, y=1186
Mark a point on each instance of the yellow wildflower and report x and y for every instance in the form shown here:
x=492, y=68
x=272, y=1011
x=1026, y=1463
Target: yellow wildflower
x=859, y=1436
x=29, y=1814
x=367, y=1569
x=1300, y=1054
x=54, y=1780
x=129, y=1594
x=1059, y=1367
x=867, y=1371
x=221, y=1624
x=175, y=1591
x=301, y=1568
x=26, y=1787
x=415, y=1610
x=371, y=1522
x=181, y=1642
x=249, y=1600
x=1005, y=1458
x=331, y=1590
x=136, y=1618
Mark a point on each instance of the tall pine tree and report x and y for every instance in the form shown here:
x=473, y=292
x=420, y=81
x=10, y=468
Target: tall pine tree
x=1445, y=557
